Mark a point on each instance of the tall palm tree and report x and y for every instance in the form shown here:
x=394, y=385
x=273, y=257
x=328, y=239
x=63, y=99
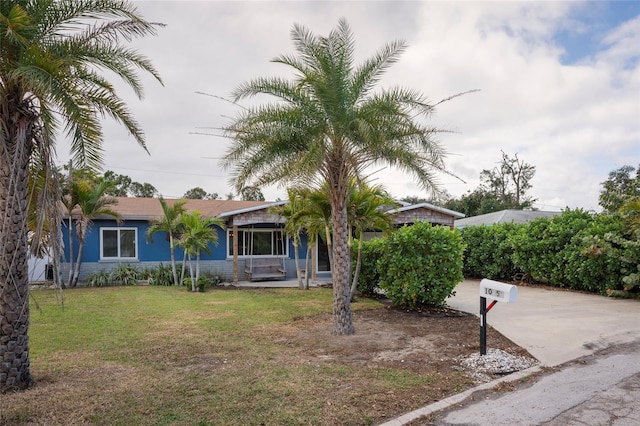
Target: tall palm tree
x=170, y=223
x=330, y=126
x=198, y=232
x=90, y=203
x=51, y=57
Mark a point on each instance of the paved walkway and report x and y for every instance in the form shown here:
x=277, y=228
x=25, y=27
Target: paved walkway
x=556, y=327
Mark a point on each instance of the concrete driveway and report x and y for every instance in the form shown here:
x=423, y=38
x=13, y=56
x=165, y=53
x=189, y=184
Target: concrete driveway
x=556, y=326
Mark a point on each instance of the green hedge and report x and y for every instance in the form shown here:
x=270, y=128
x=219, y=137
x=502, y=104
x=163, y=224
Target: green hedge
x=578, y=249
x=421, y=264
x=369, y=278
x=488, y=252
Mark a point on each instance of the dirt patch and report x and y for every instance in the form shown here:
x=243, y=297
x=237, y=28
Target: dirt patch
x=420, y=342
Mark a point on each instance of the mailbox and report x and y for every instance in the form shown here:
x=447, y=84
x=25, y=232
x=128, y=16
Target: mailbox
x=498, y=291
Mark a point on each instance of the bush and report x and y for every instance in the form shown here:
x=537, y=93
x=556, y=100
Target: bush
x=542, y=248
x=203, y=284
x=99, y=279
x=124, y=274
x=587, y=265
x=369, y=279
x=161, y=275
x=421, y=265
x=488, y=252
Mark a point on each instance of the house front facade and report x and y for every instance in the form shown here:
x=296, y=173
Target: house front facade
x=251, y=235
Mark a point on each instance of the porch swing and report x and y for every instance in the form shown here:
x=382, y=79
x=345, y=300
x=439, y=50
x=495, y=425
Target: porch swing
x=265, y=268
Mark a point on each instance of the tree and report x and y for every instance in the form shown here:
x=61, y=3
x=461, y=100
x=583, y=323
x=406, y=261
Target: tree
x=294, y=216
x=366, y=213
x=330, y=127
x=121, y=184
x=54, y=56
x=197, y=233
x=251, y=193
x=503, y=187
x=509, y=182
x=90, y=203
x=198, y=193
x=318, y=218
x=438, y=199
x=476, y=202
x=143, y=190
x=124, y=186
x=622, y=185
x=169, y=223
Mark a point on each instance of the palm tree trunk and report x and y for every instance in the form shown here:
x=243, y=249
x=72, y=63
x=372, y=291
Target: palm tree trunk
x=183, y=268
x=15, y=152
x=173, y=260
x=197, y=268
x=76, y=269
x=71, y=257
x=341, y=268
x=193, y=282
x=356, y=274
x=307, y=265
x=296, y=256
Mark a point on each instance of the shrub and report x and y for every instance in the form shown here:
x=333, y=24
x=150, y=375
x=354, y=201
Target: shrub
x=202, y=285
x=99, y=279
x=161, y=275
x=542, y=248
x=124, y=274
x=420, y=265
x=369, y=279
x=589, y=265
x=488, y=252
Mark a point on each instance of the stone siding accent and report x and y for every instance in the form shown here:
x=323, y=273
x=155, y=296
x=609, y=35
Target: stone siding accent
x=221, y=268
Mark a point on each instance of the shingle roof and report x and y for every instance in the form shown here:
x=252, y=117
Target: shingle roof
x=504, y=216
x=148, y=208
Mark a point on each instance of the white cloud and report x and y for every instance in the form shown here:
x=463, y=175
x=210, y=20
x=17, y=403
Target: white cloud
x=575, y=123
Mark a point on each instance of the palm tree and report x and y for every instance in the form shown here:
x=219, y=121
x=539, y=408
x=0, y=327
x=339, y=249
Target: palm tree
x=169, y=223
x=51, y=57
x=197, y=233
x=329, y=126
x=366, y=212
x=293, y=213
x=318, y=211
x=90, y=203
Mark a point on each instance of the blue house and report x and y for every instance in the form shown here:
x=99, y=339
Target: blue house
x=251, y=236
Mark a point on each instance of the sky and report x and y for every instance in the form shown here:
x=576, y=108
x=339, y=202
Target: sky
x=558, y=85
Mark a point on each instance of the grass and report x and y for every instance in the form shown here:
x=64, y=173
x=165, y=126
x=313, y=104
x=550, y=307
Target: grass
x=166, y=356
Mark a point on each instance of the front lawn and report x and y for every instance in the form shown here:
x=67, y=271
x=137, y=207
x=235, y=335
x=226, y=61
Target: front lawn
x=166, y=356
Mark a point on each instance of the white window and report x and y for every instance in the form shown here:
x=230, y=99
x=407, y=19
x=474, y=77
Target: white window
x=118, y=243
x=258, y=242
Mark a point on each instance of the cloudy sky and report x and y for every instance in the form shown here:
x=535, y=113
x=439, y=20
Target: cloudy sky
x=559, y=86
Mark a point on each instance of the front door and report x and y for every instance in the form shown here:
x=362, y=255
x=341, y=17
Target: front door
x=323, y=257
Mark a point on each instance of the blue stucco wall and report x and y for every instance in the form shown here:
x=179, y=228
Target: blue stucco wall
x=152, y=253
x=155, y=251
